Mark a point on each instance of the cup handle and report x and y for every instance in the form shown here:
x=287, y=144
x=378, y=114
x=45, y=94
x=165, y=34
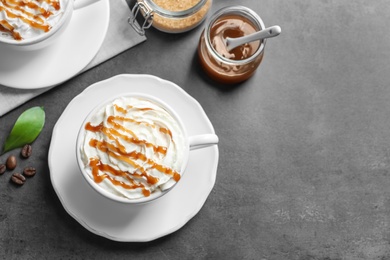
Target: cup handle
x=201, y=141
x=77, y=4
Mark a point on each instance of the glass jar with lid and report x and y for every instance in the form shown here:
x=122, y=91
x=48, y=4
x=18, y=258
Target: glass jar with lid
x=169, y=15
x=239, y=64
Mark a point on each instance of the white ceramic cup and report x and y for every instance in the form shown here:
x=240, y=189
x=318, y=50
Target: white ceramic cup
x=45, y=39
x=192, y=143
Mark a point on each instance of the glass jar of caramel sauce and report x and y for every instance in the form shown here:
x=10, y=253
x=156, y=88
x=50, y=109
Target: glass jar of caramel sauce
x=239, y=64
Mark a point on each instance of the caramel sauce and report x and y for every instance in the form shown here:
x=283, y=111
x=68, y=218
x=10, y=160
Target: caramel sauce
x=233, y=26
x=100, y=171
x=120, y=109
x=18, y=5
x=6, y=27
x=112, y=132
x=229, y=26
x=97, y=166
x=123, y=110
x=37, y=21
x=113, y=151
x=141, y=108
x=166, y=131
x=111, y=121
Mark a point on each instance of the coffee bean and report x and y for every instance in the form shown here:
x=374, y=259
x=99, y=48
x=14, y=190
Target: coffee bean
x=26, y=151
x=18, y=179
x=29, y=171
x=11, y=162
x=2, y=168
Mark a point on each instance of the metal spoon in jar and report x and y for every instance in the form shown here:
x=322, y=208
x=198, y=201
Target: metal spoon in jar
x=269, y=32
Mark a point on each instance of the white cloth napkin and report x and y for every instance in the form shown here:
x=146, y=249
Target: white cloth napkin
x=120, y=37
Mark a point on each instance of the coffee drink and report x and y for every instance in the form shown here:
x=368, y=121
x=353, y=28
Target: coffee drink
x=21, y=20
x=133, y=147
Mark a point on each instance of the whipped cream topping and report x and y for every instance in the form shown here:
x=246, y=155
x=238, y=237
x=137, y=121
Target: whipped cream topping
x=133, y=147
x=25, y=19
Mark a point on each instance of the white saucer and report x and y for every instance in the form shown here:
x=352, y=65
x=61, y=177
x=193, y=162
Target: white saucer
x=122, y=222
x=72, y=52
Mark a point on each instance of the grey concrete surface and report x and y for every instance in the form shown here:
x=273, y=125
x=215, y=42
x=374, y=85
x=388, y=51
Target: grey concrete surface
x=304, y=146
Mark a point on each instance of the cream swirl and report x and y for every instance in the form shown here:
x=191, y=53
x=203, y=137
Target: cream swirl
x=25, y=19
x=133, y=147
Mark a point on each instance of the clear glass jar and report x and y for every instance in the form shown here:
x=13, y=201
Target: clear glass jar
x=239, y=64
x=170, y=16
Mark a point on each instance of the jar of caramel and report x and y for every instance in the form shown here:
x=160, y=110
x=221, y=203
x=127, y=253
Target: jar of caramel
x=239, y=64
x=168, y=15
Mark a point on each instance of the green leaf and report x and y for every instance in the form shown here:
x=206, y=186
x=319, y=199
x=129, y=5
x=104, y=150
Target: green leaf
x=26, y=128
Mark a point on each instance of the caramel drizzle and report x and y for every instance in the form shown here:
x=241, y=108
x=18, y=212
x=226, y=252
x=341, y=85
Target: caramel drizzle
x=97, y=166
x=34, y=20
x=123, y=110
x=119, y=152
x=6, y=27
x=111, y=133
